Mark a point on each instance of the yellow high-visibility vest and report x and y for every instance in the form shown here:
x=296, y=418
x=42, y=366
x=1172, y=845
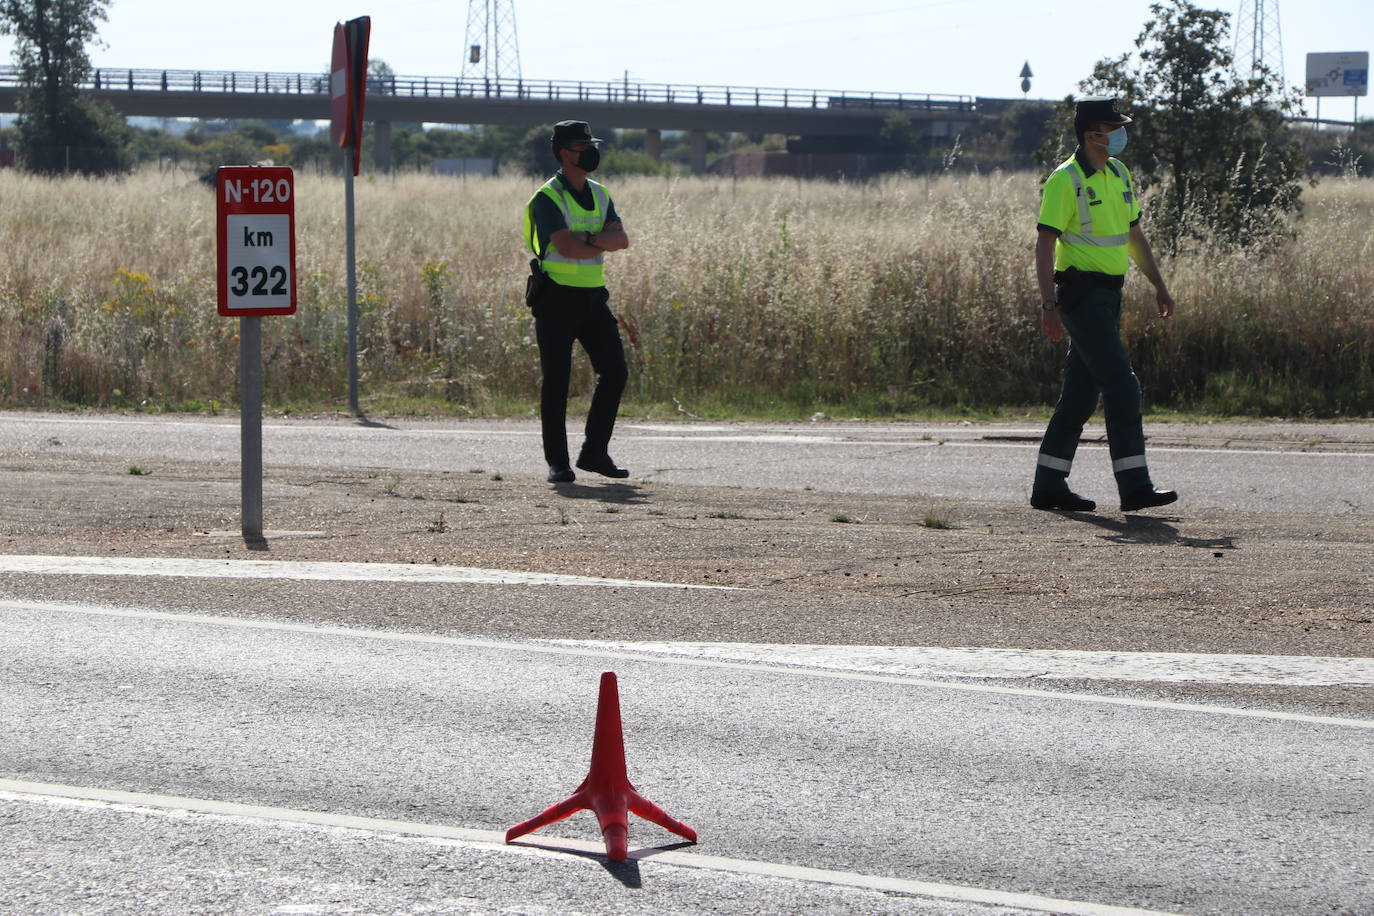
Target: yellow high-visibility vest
x=1095, y=213
x=583, y=272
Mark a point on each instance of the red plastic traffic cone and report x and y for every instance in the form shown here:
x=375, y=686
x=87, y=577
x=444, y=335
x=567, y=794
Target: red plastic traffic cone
x=607, y=790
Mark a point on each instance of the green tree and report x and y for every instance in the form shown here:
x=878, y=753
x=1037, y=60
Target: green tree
x=899, y=136
x=58, y=129
x=381, y=77
x=534, y=156
x=618, y=162
x=226, y=149
x=258, y=132
x=316, y=150
x=1214, y=146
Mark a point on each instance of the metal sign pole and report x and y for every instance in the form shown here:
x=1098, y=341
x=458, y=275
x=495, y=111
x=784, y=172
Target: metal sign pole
x=255, y=217
x=250, y=424
x=351, y=268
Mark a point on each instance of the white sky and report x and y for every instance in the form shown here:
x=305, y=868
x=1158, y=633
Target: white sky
x=938, y=46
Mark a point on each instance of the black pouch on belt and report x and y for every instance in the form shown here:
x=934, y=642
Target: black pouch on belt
x=535, y=284
x=1070, y=287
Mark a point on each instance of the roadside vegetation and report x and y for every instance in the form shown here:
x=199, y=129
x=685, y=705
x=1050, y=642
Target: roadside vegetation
x=910, y=293
x=901, y=296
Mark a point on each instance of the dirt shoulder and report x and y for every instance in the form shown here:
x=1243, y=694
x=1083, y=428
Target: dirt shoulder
x=820, y=568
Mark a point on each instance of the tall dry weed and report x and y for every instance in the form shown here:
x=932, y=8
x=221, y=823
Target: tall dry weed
x=896, y=294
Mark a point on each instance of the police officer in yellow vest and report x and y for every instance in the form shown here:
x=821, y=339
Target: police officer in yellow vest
x=1089, y=229
x=570, y=224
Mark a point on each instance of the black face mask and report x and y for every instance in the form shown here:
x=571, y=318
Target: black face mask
x=588, y=159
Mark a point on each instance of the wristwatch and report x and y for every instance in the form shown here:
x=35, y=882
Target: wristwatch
x=1049, y=305
x=591, y=238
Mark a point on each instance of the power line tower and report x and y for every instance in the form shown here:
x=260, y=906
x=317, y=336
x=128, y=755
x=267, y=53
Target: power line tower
x=1259, y=40
x=493, y=48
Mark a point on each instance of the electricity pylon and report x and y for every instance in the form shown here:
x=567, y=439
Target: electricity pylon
x=493, y=50
x=1259, y=40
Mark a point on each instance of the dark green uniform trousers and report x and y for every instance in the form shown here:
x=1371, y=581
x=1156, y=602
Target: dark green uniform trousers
x=1097, y=365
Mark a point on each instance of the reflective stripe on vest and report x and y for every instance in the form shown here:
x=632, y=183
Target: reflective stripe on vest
x=582, y=272
x=1085, y=216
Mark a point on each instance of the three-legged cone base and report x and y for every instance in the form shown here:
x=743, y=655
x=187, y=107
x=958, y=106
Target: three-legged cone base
x=607, y=790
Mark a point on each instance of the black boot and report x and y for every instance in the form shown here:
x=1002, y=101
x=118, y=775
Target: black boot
x=1061, y=501
x=601, y=464
x=1147, y=497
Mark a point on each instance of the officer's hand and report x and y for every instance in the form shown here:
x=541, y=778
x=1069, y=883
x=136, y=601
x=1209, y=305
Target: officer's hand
x=1164, y=302
x=1051, y=325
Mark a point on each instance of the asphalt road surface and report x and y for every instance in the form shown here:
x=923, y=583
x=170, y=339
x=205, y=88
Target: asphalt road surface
x=1287, y=468
x=1144, y=806
x=165, y=755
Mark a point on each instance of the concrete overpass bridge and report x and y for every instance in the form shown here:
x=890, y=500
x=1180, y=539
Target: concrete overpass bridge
x=654, y=107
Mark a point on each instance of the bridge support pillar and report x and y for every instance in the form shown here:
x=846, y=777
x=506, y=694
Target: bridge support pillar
x=653, y=144
x=697, y=142
x=381, y=145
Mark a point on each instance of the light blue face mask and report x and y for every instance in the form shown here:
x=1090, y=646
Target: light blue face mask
x=1116, y=141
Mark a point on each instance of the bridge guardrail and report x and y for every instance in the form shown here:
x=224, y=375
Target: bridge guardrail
x=613, y=91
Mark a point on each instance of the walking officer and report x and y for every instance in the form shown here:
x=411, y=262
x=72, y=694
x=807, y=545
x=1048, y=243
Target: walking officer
x=570, y=224
x=1088, y=231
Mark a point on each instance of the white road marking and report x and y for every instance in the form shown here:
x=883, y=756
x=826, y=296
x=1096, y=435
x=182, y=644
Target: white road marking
x=920, y=661
x=709, y=434
x=1180, y=449
x=805, y=439
x=604, y=651
x=303, y=570
x=19, y=790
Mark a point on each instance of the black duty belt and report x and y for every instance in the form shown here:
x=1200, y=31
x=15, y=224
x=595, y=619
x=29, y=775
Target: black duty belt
x=1093, y=278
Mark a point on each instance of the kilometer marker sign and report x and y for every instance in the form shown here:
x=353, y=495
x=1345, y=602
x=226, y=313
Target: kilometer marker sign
x=255, y=209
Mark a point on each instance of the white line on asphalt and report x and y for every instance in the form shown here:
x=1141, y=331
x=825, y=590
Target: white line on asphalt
x=232, y=426
x=20, y=790
x=551, y=647
x=1176, y=449
x=972, y=662
x=716, y=434
x=303, y=570
x=773, y=438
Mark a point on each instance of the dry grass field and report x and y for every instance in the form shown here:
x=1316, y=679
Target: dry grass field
x=895, y=296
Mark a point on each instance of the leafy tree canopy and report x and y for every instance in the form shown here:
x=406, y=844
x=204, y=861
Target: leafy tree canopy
x=1213, y=145
x=58, y=129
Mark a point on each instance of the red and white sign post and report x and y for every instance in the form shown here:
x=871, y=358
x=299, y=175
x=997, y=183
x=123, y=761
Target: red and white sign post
x=348, y=91
x=255, y=221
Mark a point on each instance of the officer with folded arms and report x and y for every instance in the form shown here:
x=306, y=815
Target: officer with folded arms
x=570, y=224
x=1088, y=231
